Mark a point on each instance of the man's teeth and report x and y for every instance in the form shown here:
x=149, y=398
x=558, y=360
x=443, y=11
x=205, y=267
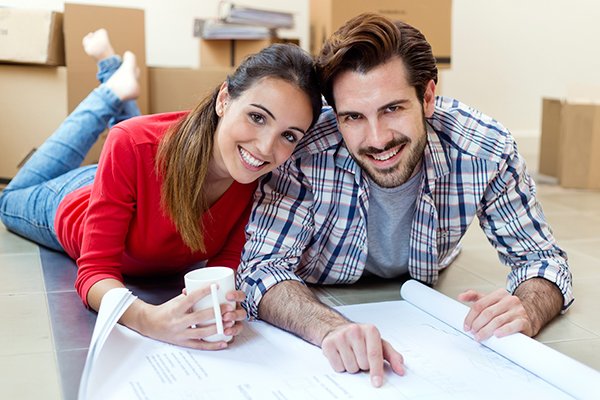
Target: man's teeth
x=249, y=159
x=386, y=156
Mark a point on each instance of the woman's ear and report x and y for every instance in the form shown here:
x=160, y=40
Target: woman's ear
x=222, y=100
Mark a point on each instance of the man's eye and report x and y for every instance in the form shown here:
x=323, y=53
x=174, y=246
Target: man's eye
x=393, y=108
x=352, y=117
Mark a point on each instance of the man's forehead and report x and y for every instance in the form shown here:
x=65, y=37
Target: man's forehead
x=354, y=91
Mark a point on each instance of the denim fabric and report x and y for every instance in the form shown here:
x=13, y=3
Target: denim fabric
x=106, y=68
x=28, y=204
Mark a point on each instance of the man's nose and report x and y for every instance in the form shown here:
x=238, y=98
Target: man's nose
x=378, y=135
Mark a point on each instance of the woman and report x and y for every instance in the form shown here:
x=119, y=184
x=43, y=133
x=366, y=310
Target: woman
x=170, y=189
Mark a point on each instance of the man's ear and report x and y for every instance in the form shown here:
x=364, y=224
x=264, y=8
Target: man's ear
x=429, y=99
x=222, y=100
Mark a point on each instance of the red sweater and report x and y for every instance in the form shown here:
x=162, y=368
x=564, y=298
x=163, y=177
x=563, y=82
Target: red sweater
x=116, y=226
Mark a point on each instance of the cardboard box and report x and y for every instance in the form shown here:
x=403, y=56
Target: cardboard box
x=31, y=36
x=126, y=30
x=550, y=138
x=42, y=97
x=36, y=107
x=570, y=143
x=174, y=89
x=228, y=53
x=431, y=17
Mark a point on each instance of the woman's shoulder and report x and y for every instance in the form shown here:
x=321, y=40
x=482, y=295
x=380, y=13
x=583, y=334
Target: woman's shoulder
x=146, y=128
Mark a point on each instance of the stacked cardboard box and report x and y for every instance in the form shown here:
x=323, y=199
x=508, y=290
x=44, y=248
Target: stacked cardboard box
x=174, y=89
x=40, y=30
x=36, y=99
x=570, y=143
x=431, y=17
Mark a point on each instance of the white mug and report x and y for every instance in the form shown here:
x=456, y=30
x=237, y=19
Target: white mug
x=221, y=282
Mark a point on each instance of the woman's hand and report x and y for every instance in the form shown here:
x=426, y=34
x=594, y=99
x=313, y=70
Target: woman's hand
x=174, y=321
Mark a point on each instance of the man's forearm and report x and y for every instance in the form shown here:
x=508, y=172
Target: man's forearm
x=541, y=299
x=292, y=306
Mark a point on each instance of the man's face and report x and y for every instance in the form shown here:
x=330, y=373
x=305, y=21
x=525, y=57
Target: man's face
x=382, y=121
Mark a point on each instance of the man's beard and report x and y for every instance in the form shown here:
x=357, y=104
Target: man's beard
x=401, y=172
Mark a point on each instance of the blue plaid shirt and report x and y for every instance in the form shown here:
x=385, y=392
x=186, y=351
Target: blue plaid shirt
x=309, y=221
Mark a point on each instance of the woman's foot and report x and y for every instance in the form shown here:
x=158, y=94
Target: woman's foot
x=124, y=82
x=97, y=45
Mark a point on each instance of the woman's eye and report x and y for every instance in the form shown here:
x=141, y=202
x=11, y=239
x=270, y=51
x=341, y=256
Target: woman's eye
x=257, y=118
x=290, y=137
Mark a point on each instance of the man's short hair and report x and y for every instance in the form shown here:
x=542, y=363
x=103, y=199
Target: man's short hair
x=369, y=40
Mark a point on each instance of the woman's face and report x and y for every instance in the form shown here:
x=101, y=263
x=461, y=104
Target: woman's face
x=258, y=130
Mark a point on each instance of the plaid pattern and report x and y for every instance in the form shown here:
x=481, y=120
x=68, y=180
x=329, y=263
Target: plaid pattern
x=309, y=222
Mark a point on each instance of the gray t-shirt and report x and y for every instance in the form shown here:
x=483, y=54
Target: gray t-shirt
x=391, y=212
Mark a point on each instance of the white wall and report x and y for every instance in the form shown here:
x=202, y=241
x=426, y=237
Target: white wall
x=506, y=54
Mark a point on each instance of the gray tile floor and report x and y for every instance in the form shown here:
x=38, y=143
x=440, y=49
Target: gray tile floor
x=45, y=330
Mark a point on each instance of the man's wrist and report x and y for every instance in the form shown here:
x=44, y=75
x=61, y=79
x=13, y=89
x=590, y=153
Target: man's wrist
x=333, y=328
x=542, y=301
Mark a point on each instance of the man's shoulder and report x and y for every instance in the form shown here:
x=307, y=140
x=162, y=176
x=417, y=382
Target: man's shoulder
x=468, y=130
x=322, y=136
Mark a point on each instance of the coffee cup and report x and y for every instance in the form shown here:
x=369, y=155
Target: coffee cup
x=221, y=281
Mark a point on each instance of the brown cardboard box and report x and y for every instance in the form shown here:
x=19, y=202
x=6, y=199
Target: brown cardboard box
x=42, y=97
x=37, y=104
x=570, y=145
x=228, y=53
x=174, y=89
x=31, y=36
x=550, y=139
x=431, y=17
x=126, y=30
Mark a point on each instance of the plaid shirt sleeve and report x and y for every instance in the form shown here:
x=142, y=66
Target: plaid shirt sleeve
x=514, y=223
x=280, y=227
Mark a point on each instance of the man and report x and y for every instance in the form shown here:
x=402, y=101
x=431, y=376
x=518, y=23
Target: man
x=387, y=184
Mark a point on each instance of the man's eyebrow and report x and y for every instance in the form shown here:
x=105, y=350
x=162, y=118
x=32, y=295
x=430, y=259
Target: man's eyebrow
x=265, y=109
x=383, y=107
x=393, y=103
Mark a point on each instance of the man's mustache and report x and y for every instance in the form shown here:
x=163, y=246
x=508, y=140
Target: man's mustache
x=391, y=144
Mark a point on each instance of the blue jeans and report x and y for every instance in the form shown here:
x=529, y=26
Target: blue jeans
x=28, y=204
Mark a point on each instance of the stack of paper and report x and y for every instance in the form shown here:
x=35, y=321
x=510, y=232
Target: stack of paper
x=113, y=305
x=216, y=29
x=236, y=14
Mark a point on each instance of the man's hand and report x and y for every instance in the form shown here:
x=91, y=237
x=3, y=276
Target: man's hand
x=358, y=347
x=535, y=303
x=348, y=346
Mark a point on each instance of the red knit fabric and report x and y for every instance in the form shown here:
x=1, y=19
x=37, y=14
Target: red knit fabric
x=116, y=226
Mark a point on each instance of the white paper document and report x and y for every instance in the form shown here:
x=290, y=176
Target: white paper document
x=266, y=363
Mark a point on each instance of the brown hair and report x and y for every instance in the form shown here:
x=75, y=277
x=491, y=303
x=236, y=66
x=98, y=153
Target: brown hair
x=369, y=40
x=184, y=153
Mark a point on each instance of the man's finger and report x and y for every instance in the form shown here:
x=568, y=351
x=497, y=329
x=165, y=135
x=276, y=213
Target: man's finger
x=375, y=356
x=470, y=296
x=348, y=359
x=480, y=305
x=514, y=326
x=330, y=352
x=393, y=357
